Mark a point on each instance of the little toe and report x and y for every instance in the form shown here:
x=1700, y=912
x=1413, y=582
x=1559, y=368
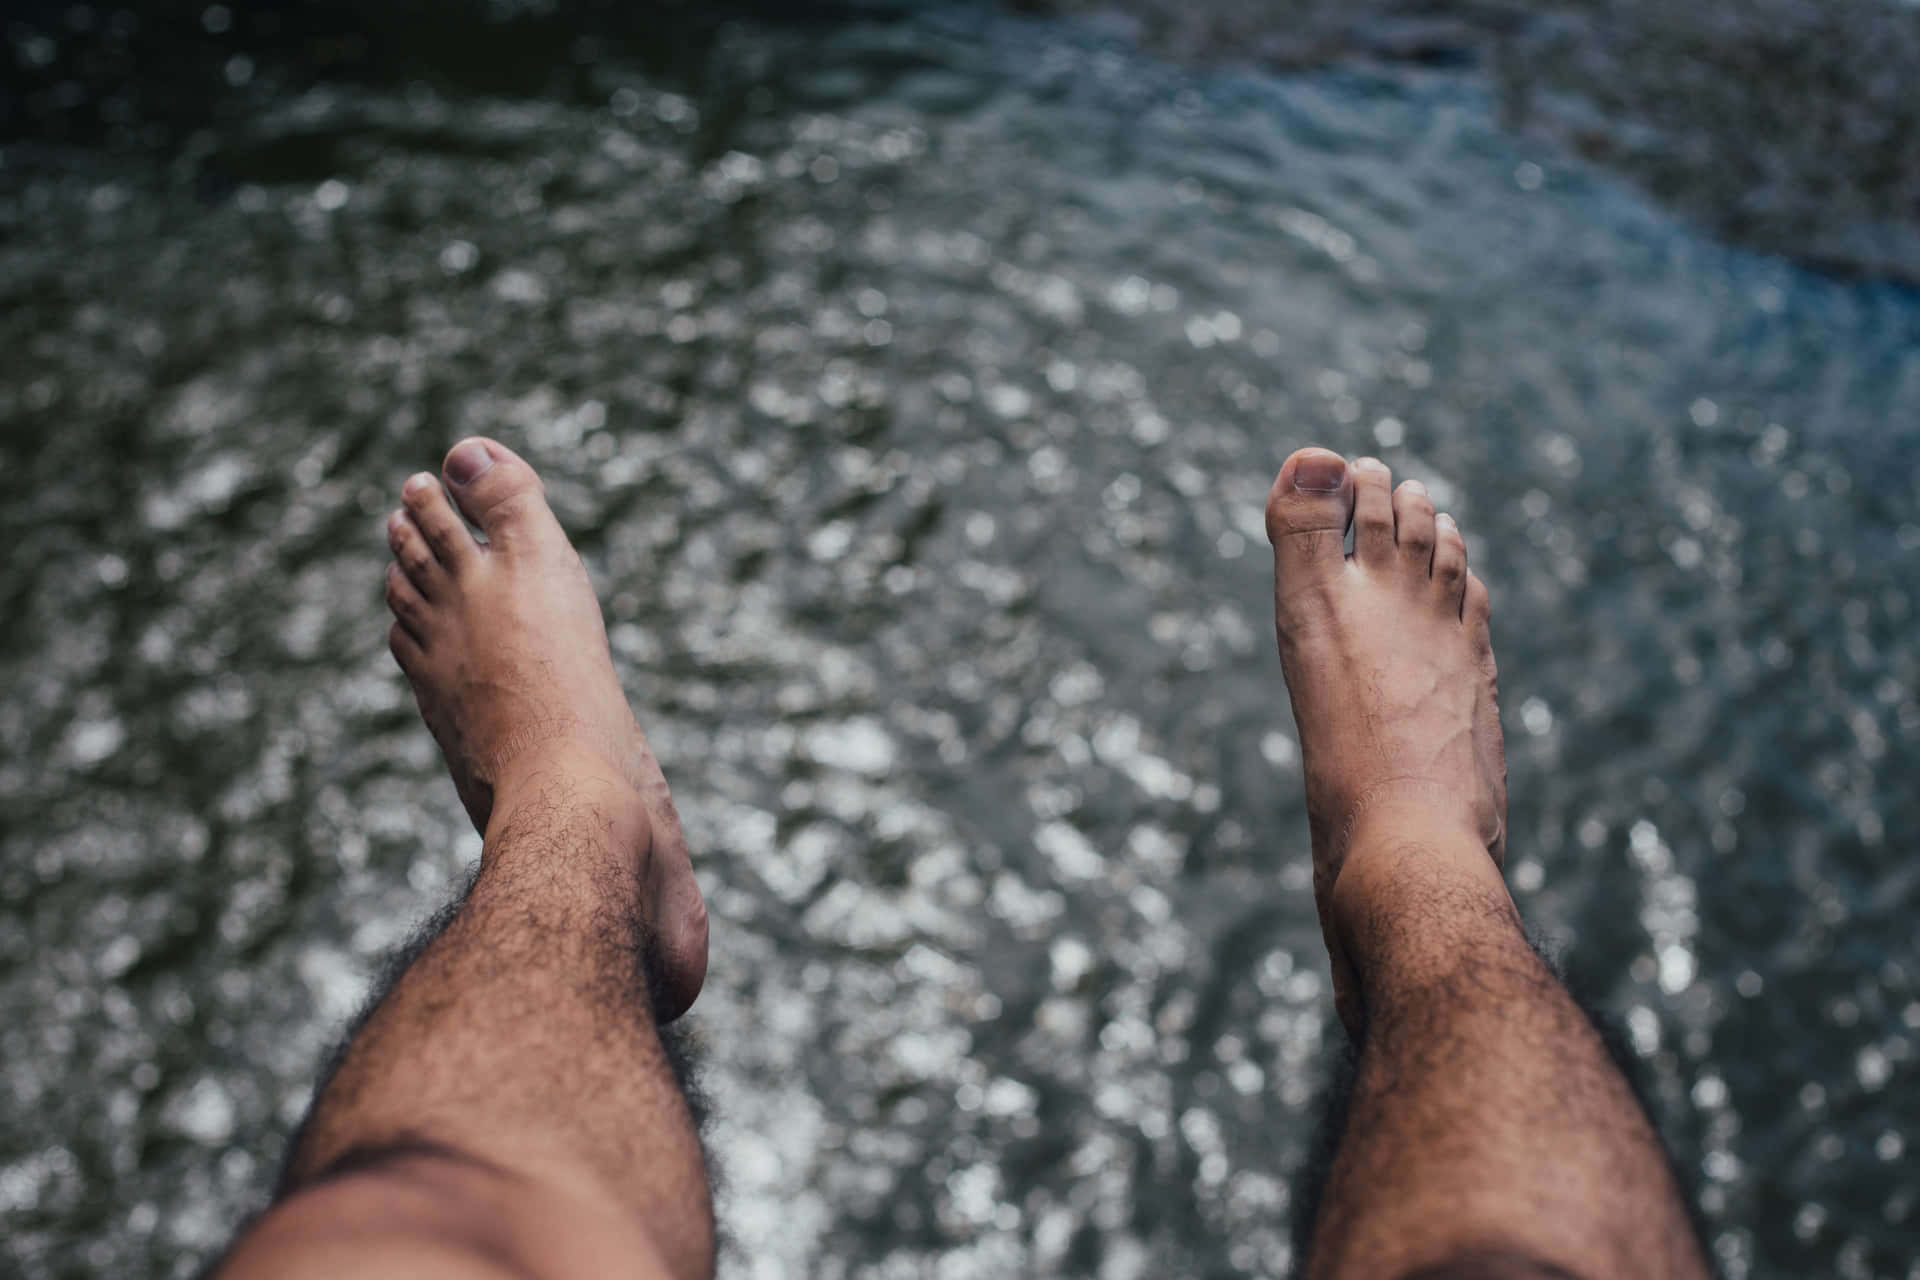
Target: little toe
x=406, y=649
x=498, y=491
x=1449, y=563
x=414, y=555
x=452, y=542
x=409, y=607
x=1308, y=511
x=1413, y=528
x=1372, y=513
x=1476, y=610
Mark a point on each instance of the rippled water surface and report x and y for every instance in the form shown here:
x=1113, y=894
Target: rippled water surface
x=911, y=384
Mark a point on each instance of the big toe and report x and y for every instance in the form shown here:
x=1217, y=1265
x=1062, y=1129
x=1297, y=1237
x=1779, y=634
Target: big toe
x=497, y=490
x=1308, y=511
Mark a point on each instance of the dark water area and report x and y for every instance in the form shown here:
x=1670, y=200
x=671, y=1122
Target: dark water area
x=1786, y=125
x=911, y=379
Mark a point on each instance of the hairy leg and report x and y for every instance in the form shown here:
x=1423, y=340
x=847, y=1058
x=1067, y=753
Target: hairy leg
x=509, y=1108
x=1489, y=1132
x=1336, y=1115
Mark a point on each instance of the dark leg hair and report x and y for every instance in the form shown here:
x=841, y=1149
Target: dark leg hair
x=392, y=965
x=683, y=1049
x=1492, y=1266
x=1330, y=1128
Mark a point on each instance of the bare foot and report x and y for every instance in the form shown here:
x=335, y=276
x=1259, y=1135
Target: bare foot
x=1388, y=658
x=507, y=654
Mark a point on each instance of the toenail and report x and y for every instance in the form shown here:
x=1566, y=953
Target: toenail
x=396, y=522
x=1320, y=473
x=1370, y=464
x=468, y=462
x=1414, y=486
x=1444, y=520
x=416, y=483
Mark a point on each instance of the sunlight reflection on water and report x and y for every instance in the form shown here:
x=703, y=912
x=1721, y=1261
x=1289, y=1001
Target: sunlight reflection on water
x=912, y=389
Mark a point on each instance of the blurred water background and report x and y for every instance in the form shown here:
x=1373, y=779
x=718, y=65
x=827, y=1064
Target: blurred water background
x=911, y=377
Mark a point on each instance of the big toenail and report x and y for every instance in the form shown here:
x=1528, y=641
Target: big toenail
x=1320, y=473
x=416, y=483
x=468, y=462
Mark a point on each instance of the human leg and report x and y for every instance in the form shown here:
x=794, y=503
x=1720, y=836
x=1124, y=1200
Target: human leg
x=509, y=1108
x=1488, y=1133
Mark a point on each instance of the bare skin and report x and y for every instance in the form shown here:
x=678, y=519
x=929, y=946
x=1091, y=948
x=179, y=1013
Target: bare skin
x=508, y=1110
x=507, y=654
x=1489, y=1133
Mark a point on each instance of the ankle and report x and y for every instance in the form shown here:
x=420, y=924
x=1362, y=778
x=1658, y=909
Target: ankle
x=1415, y=807
x=1413, y=902
x=561, y=777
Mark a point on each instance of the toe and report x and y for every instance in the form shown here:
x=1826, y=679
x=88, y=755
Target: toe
x=1477, y=611
x=434, y=516
x=1372, y=513
x=414, y=555
x=1413, y=527
x=1308, y=511
x=405, y=648
x=1449, y=563
x=408, y=605
x=497, y=490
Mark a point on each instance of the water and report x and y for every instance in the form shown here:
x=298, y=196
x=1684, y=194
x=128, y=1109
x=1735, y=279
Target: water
x=911, y=382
